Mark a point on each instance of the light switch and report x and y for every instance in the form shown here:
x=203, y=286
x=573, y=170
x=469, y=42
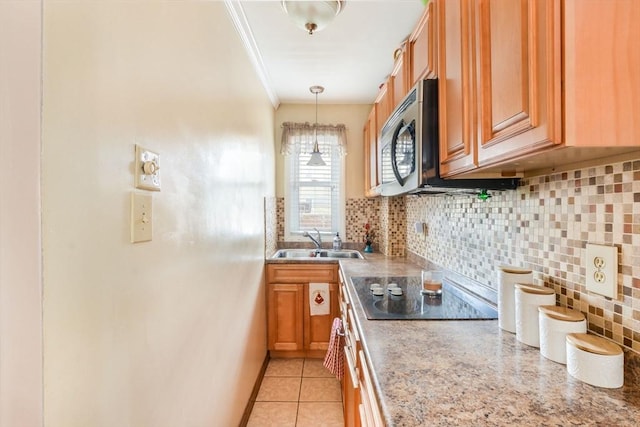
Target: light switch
x=147, y=169
x=141, y=217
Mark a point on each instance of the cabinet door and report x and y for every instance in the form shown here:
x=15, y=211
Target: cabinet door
x=383, y=105
x=518, y=70
x=371, y=411
x=601, y=69
x=371, y=155
x=285, y=316
x=400, y=76
x=317, y=329
x=350, y=391
x=422, y=47
x=455, y=87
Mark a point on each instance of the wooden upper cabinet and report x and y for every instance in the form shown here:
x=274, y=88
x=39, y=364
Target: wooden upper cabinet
x=400, y=75
x=518, y=71
x=602, y=73
x=500, y=85
x=519, y=78
x=422, y=48
x=383, y=104
x=370, y=155
x=455, y=86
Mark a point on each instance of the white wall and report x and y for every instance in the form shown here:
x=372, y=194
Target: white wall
x=352, y=116
x=20, y=245
x=169, y=332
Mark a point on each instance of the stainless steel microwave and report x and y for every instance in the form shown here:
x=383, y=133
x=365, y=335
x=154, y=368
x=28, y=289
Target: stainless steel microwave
x=408, y=157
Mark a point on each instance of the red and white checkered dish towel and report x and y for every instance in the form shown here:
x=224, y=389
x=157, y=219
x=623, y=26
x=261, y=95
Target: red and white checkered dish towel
x=334, y=361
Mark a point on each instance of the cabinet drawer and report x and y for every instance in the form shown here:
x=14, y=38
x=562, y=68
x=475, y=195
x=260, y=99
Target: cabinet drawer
x=301, y=273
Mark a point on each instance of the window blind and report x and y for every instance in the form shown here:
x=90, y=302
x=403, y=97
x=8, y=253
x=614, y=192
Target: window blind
x=315, y=191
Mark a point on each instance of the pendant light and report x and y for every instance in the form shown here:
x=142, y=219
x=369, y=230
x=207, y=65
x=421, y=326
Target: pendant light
x=316, y=155
x=312, y=16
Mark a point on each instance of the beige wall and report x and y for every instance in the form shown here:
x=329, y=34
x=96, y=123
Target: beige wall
x=20, y=245
x=352, y=116
x=169, y=332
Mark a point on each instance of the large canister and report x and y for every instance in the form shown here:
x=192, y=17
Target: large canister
x=595, y=360
x=528, y=299
x=508, y=276
x=555, y=323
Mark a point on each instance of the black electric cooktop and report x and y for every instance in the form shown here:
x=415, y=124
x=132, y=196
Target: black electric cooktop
x=453, y=303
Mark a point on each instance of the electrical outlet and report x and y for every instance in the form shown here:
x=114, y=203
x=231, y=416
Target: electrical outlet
x=602, y=270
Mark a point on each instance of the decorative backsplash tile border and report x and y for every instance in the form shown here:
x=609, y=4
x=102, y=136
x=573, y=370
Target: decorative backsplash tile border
x=280, y=217
x=393, y=223
x=359, y=212
x=545, y=225
x=270, y=226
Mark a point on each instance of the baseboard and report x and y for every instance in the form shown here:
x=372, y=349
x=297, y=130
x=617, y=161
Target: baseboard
x=286, y=354
x=254, y=393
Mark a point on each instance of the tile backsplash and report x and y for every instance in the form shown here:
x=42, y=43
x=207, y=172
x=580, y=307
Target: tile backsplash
x=387, y=217
x=545, y=225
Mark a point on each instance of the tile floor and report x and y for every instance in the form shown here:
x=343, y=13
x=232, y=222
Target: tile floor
x=298, y=393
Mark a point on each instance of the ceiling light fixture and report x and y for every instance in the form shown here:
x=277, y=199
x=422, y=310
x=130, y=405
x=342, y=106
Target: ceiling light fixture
x=316, y=155
x=312, y=16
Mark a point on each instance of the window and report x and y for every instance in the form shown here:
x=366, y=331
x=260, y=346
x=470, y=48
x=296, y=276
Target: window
x=314, y=195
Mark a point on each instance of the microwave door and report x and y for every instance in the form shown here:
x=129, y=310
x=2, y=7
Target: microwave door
x=403, y=151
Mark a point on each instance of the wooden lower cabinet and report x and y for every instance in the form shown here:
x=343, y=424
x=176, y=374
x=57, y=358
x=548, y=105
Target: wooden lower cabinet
x=360, y=403
x=285, y=316
x=291, y=330
x=371, y=410
x=350, y=391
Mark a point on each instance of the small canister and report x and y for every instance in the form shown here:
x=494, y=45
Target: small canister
x=555, y=323
x=508, y=276
x=595, y=360
x=528, y=299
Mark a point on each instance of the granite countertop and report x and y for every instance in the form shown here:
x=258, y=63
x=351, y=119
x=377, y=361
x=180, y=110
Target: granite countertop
x=470, y=373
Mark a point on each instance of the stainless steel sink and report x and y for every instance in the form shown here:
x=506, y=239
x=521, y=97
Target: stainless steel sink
x=312, y=253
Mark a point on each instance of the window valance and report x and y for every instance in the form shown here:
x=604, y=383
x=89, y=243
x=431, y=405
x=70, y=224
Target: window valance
x=304, y=134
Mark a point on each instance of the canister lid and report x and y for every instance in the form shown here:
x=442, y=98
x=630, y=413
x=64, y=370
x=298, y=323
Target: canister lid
x=561, y=313
x=594, y=344
x=534, y=289
x=513, y=269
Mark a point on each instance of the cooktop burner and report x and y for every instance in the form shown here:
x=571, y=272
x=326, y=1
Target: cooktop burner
x=453, y=304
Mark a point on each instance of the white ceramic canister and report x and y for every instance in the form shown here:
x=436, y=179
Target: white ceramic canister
x=555, y=323
x=528, y=299
x=595, y=360
x=508, y=276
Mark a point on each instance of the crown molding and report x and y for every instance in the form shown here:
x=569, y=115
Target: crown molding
x=244, y=30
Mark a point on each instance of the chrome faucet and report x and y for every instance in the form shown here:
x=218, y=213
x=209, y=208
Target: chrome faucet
x=317, y=242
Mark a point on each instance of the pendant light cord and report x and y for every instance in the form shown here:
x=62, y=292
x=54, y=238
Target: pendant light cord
x=315, y=128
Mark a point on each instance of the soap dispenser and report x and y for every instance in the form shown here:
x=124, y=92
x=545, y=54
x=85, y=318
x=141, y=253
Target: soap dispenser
x=337, y=242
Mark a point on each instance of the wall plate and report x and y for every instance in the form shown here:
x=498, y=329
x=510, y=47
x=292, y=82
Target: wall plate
x=602, y=270
x=147, y=169
x=141, y=217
